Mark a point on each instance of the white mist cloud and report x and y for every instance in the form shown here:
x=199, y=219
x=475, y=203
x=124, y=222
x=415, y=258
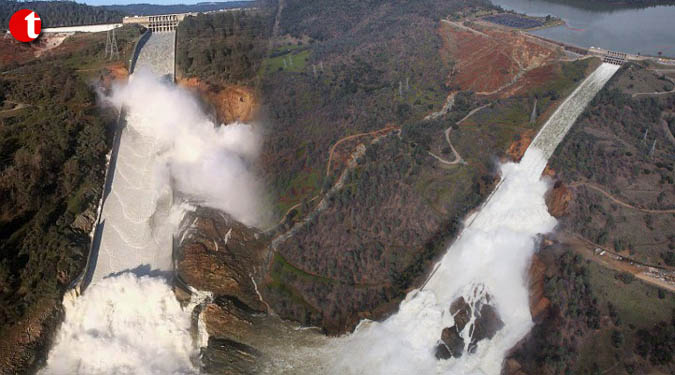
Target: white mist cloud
x=134, y=325
x=209, y=164
x=124, y=325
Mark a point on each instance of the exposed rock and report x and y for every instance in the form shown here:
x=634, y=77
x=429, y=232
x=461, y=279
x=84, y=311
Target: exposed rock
x=231, y=103
x=461, y=311
x=512, y=367
x=452, y=345
x=558, y=199
x=85, y=221
x=217, y=254
x=220, y=255
x=538, y=302
x=182, y=296
x=227, y=317
x=485, y=326
x=223, y=356
x=517, y=149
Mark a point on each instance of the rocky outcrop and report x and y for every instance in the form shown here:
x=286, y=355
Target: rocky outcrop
x=228, y=317
x=230, y=103
x=558, y=199
x=215, y=253
x=224, y=356
x=452, y=346
x=25, y=344
x=485, y=325
x=539, y=304
x=461, y=311
x=86, y=220
x=517, y=149
x=220, y=255
x=512, y=367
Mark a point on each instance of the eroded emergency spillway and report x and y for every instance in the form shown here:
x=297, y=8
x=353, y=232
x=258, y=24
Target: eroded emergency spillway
x=133, y=232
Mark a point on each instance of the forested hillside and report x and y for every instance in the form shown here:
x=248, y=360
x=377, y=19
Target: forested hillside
x=60, y=13
x=54, y=138
x=222, y=48
x=354, y=81
x=615, y=182
x=150, y=9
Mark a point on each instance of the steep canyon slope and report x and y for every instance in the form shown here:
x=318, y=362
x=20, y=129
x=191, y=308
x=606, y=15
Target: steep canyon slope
x=356, y=234
x=53, y=140
x=610, y=275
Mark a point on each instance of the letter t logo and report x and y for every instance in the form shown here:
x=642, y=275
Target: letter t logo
x=31, y=19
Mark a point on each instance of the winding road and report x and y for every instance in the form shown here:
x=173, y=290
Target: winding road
x=618, y=201
x=458, y=157
x=374, y=132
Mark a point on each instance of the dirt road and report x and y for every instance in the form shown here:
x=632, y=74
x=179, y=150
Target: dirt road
x=332, y=149
x=618, y=201
x=658, y=276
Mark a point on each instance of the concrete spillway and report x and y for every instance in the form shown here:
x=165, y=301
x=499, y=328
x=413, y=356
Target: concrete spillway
x=158, y=54
x=133, y=231
x=134, y=212
x=486, y=265
x=557, y=126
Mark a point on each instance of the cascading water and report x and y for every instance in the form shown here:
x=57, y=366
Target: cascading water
x=128, y=321
x=133, y=325
x=486, y=266
x=491, y=257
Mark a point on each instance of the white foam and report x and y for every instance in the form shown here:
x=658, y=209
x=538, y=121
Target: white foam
x=124, y=325
x=491, y=256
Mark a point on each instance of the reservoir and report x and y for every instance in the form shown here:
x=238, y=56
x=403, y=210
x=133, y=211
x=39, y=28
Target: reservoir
x=625, y=28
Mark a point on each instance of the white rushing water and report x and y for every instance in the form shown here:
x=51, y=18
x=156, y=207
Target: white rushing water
x=129, y=324
x=490, y=257
x=124, y=325
x=170, y=153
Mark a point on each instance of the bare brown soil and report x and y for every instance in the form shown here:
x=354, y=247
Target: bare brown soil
x=231, y=103
x=13, y=52
x=22, y=343
x=491, y=59
x=517, y=149
x=558, y=199
x=539, y=303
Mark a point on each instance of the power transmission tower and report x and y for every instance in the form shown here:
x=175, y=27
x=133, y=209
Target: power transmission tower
x=533, y=115
x=107, y=43
x=114, y=52
x=111, y=45
x=651, y=152
x=644, y=137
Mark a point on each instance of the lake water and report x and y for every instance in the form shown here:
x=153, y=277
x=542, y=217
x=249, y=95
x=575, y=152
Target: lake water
x=616, y=27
